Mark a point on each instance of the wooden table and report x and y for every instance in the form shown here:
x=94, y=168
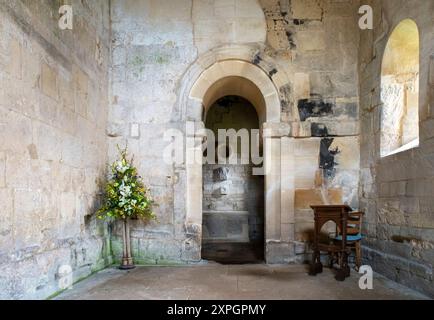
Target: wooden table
x=339, y=215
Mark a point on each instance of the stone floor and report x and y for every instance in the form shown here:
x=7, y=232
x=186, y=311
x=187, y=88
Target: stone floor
x=233, y=253
x=216, y=281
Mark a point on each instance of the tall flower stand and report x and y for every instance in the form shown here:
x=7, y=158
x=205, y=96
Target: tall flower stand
x=127, y=260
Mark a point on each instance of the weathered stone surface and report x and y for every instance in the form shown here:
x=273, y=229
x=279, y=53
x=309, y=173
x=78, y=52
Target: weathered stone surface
x=301, y=86
x=43, y=157
x=221, y=22
x=394, y=189
x=311, y=41
x=2, y=169
x=307, y=9
x=15, y=58
x=279, y=252
x=304, y=198
x=49, y=81
x=318, y=88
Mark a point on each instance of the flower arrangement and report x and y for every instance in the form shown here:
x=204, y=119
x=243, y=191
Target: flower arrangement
x=126, y=197
x=125, y=194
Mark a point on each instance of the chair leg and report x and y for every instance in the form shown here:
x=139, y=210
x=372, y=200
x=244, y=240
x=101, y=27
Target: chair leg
x=358, y=246
x=331, y=259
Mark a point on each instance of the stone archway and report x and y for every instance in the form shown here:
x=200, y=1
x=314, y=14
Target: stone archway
x=233, y=196
x=240, y=77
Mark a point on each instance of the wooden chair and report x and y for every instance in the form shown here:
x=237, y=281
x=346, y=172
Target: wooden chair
x=322, y=215
x=354, y=236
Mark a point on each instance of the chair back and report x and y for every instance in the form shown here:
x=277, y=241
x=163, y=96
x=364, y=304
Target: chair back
x=354, y=224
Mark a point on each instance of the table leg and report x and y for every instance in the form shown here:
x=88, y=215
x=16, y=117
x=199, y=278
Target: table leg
x=316, y=265
x=345, y=266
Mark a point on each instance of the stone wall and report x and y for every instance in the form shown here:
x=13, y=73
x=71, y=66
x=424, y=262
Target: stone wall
x=307, y=48
x=400, y=89
x=397, y=191
x=60, y=122
x=53, y=113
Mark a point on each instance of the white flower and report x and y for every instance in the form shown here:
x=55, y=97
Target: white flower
x=121, y=168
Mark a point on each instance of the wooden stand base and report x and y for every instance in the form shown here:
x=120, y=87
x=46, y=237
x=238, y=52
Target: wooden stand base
x=127, y=264
x=315, y=268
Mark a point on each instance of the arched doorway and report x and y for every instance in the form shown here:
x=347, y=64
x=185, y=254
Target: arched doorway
x=233, y=196
x=204, y=84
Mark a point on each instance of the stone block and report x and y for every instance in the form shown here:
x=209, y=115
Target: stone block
x=347, y=8
x=398, y=188
x=72, y=151
x=273, y=130
x=226, y=226
x=431, y=70
x=349, y=156
x=307, y=148
x=306, y=167
x=2, y=169
x=301, y=86
x=135, y=130
x=168, y=10
x=427, y=129
x=277, y=252
x=69, y=221
x=311, y=41
x=302, y=182
x=6, y=238
x=66, y=92
x=15, y=59
x=67, y=121
x=304, y=231
x=48, y=110
x=27, y=204
x=12, y=126
x=18, y=171
x=81, y=92
x=306, y=9
x=159, y=251
x=304, y=198
x=47, y=142
x=224, y=9
x=409, y=206
x=49, y=81
x=249, y=30
x=247, y=9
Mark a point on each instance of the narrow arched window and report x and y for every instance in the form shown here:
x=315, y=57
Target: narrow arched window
x=400, y=90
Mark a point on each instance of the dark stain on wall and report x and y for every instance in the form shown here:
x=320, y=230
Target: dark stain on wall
x=298, y=22
x=272, y=72
x=257, y=59
x=402, y=239
x=314, y=108
x=291, y=42
x=327, y=157
x=319, y=130
x=220, y=174
x=350, y=110
x=285, y=97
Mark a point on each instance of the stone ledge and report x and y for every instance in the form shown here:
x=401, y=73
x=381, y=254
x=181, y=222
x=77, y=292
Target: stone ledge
x=276, y=130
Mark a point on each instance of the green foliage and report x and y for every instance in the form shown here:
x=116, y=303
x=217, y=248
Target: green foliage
x=125, y=194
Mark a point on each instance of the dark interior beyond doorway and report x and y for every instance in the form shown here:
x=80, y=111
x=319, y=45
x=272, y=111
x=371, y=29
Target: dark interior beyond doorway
x=233, y=198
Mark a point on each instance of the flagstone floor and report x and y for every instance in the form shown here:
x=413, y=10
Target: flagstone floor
x=231, y=282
